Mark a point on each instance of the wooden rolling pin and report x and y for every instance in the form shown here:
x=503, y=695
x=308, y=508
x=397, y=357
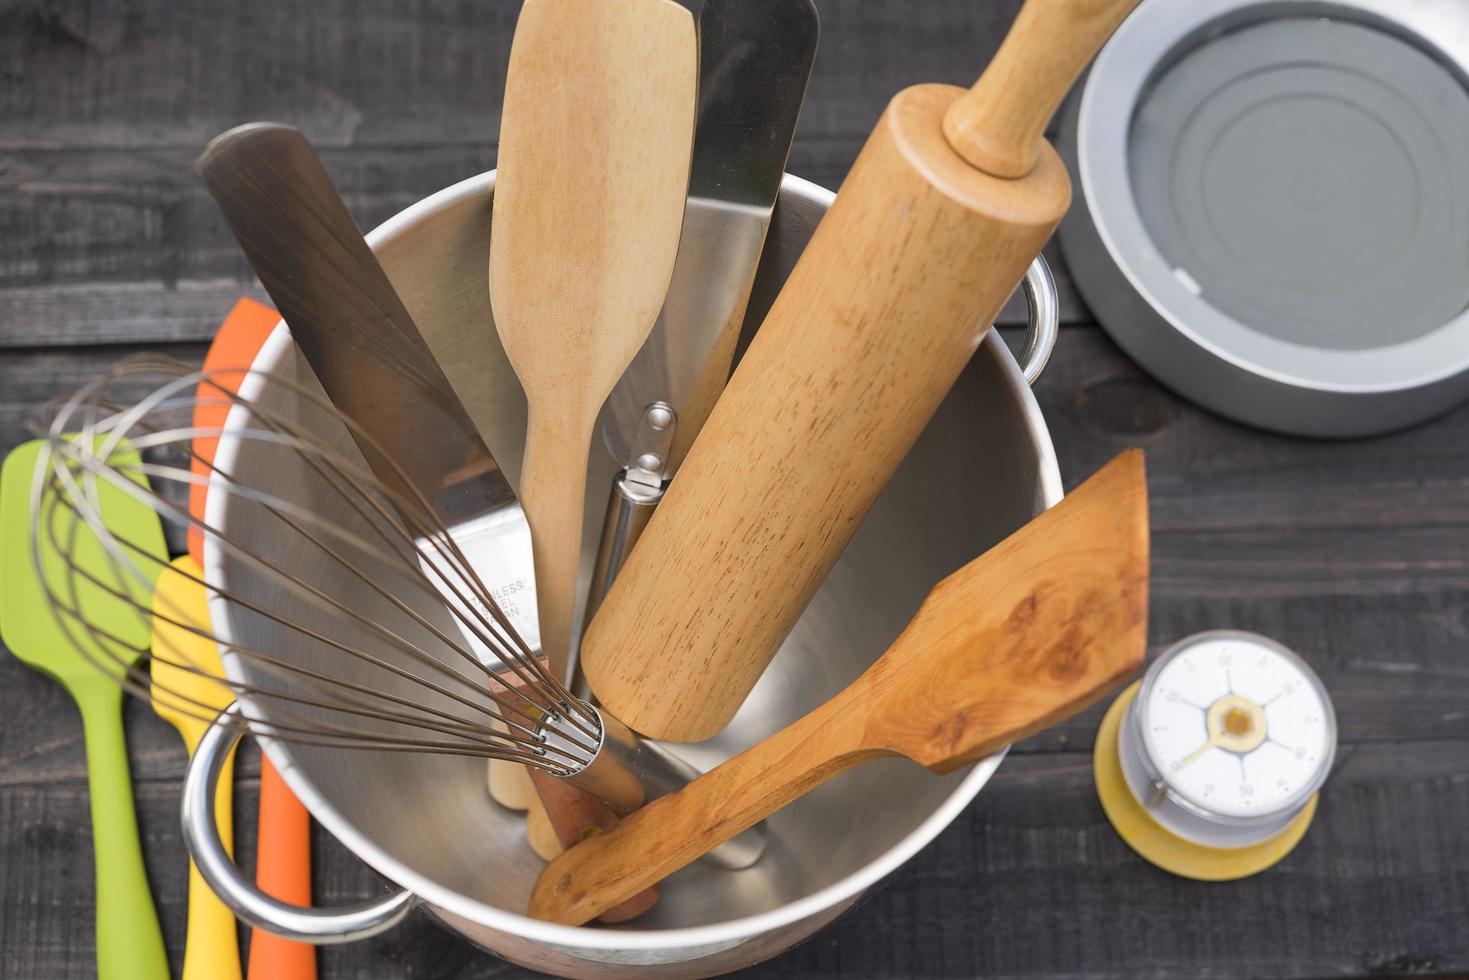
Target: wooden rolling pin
x=1033, y=631
x=953, y=195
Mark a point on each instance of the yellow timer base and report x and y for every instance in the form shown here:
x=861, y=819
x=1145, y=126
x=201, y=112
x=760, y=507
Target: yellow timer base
x=1162, y=847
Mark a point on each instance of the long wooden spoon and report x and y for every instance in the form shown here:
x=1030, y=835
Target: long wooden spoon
x=595, y=139
x=1028, y=634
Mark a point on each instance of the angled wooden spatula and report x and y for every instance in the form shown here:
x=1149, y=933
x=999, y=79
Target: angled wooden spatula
x=593, y=170
x=1028, y=634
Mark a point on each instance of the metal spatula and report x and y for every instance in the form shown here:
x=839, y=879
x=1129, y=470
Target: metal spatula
x=593, y=170
x=129, y=943
x=754, y=61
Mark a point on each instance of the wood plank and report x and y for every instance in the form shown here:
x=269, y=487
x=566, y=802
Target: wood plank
x=76, y=225
x=1032, y=882
x=1356, y=553
x=91, y=313
x=1029, y=882
x=70, y=218
x=31, y=380
x=96, y=151
x=172, y=73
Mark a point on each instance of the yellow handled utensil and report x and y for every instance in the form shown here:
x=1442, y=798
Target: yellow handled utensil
x=184, y=666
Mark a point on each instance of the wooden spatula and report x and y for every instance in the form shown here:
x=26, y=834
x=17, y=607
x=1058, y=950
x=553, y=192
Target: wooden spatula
x=129, y=943
x=950, y=199
x=283, y=846
x=593, y=170
x=1030, y=633
x=183, y=666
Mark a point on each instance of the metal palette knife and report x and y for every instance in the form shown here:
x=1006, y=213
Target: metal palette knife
x=754, y=63
x=367, y=352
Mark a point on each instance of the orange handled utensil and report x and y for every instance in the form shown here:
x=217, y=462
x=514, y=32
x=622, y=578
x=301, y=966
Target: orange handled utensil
x=283, y=871
x=233, y=350
x=283, y=851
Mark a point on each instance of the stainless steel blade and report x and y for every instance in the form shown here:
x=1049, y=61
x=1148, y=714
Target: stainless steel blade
x=367, y=352
x=754, y=60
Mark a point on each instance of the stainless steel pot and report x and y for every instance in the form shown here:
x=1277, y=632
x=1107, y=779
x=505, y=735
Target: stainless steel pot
x=1272, y=204
x=983, y=468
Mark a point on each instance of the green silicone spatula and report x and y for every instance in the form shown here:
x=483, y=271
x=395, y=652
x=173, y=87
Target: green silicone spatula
x=129, y=943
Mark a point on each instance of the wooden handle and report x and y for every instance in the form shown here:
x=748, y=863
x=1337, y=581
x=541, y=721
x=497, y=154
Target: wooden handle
x=999, y=125
x=553, y=482
x=283, y=871
x=576, y=816
x=673, y=831
x=595, y=138
x=1032, y=632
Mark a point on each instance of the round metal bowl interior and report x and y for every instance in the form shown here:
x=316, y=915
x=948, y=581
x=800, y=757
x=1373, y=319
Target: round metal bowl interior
x=1273, y=212
x=983, y=468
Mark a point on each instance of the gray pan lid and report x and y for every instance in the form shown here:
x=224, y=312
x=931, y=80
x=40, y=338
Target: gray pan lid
x=1285, y=197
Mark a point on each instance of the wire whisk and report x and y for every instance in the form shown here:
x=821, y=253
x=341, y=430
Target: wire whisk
x=401, y=648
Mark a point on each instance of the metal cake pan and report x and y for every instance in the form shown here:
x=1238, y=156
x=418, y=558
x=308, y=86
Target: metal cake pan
x=1273, y=206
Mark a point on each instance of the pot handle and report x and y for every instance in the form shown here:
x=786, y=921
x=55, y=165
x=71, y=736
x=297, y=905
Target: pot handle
x=1043, y=309
x=249, y=903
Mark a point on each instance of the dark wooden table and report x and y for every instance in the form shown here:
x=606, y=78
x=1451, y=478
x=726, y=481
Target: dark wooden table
x=1355, y=553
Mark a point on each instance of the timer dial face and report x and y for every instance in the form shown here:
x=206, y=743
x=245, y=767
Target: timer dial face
x=1237, y=728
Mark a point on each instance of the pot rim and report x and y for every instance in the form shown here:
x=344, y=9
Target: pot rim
x=727, y=933
x=1097, y=135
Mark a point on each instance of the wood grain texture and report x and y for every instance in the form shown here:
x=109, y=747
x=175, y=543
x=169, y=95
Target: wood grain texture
x=574, y=816
x=595, y=139
x=1031, y=632
x=1355, y=553
x=103, y=109
x=868, y=334
x=999, y=125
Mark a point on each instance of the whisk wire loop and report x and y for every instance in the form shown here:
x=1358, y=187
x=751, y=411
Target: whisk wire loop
x=439, y=667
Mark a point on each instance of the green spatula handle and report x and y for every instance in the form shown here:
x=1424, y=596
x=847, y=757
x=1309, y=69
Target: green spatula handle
x=129, y=942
